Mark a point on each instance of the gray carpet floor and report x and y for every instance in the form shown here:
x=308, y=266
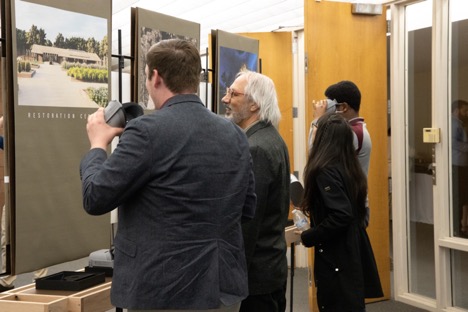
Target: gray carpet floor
x=301, y=303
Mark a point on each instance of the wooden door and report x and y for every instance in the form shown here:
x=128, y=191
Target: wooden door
x=344, y=46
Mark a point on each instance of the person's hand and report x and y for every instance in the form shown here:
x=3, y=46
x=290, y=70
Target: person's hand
x=100, y=134
x=320, y=107
x=1, y=123
x=297, y=236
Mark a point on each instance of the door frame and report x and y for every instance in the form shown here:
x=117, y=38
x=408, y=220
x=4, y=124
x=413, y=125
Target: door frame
x=444, y=243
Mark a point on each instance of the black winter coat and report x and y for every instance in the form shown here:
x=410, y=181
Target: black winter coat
x=344, y=269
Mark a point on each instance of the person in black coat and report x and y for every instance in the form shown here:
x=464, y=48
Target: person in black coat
x=335, y=190
x=252, y=104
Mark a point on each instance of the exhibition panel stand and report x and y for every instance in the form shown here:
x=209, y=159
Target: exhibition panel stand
x=292, y=240
x=93, y=299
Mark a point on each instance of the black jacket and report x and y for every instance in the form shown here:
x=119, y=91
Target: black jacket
x=344, y=267
x=265, y=244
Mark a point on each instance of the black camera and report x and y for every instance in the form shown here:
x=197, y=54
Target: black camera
x=117, y=114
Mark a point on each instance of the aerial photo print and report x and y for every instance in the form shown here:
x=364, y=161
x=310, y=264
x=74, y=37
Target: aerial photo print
x=60, y=65
x=150, y=28
x=60, y=61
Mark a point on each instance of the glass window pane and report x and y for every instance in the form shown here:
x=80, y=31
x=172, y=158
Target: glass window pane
x=419, y=154
x=459, y=278
x=459, y=126
x=459, y=113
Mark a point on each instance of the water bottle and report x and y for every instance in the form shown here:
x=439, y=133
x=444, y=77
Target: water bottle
x=300, y=220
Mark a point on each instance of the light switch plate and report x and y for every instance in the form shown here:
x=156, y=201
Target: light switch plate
x=431, y=135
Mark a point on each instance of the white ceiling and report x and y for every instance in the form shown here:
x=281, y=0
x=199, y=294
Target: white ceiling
x=228, y=15
x=231, y=15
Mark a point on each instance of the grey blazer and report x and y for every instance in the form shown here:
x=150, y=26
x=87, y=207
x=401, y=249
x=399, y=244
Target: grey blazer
x=182, y=179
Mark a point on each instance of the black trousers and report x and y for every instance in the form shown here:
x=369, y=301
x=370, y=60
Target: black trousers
x=272, y=302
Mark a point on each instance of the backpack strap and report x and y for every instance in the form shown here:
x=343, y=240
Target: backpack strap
x=357, y=126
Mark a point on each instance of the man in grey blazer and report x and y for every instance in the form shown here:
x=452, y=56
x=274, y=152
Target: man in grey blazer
x=252, y=104
x=182, y=179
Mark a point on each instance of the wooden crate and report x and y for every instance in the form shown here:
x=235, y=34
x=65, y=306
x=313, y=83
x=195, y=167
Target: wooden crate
x=33, y=303
x=94, y=299
x=28, y=298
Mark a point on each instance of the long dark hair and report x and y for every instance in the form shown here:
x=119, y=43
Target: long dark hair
x=333, y=144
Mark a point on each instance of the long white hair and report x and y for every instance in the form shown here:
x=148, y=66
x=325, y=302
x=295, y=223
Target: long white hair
x=260, y=89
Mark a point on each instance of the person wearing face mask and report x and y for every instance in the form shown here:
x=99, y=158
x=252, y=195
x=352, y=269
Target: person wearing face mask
x=345, y=99
x=251, y=103
x=321, y=107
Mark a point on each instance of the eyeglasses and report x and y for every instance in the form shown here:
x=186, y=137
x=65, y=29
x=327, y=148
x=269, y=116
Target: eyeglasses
x=233, y=93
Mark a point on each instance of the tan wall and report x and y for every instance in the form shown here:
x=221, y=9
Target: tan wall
x=343, y=46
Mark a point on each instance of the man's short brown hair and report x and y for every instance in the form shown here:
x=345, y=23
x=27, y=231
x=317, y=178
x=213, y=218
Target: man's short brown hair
x=177, y=62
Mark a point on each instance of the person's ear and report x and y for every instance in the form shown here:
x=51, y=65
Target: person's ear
x=254, y=107
x=157, y=78
x=345, y=107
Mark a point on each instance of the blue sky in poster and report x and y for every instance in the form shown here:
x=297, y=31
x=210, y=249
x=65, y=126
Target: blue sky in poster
x=69, y=24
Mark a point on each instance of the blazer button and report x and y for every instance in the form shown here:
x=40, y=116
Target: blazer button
x=320, y=250
x=337, y=269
